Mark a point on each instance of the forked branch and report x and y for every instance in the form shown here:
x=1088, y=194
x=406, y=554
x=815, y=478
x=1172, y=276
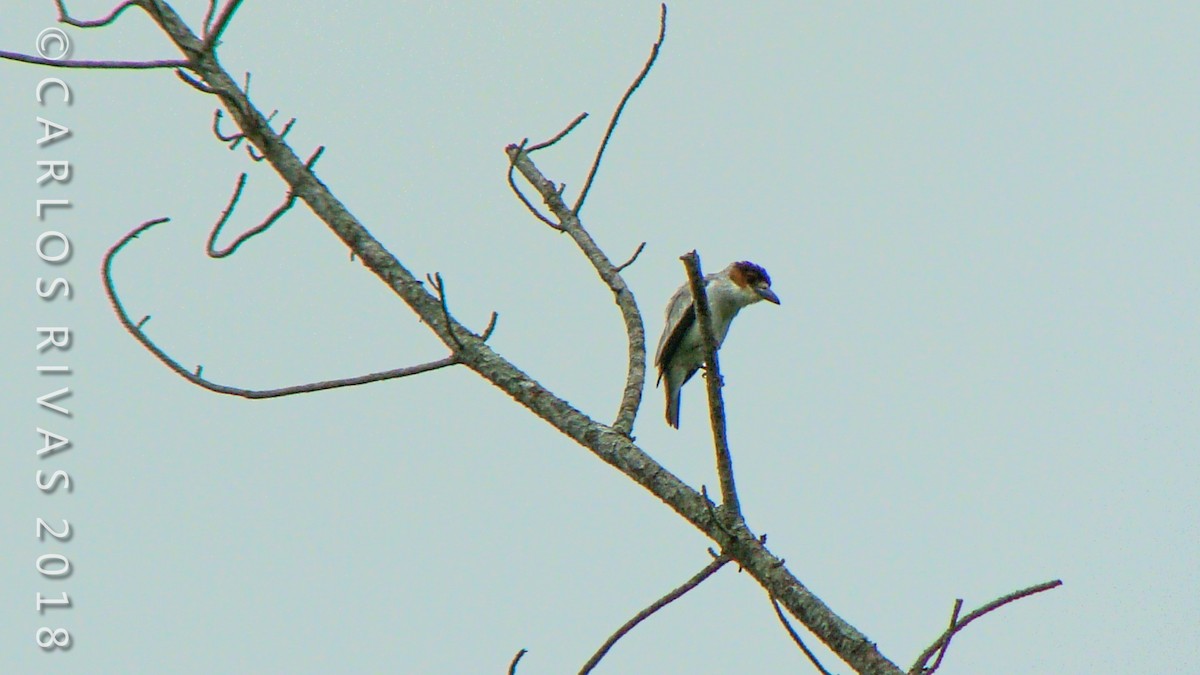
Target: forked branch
x=940, y=644
x=288, y=202
x=635, y=331
x=568, y=221
x=56, y=35
x=512, y=184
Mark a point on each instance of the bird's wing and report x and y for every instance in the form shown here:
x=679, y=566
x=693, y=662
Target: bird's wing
x=680, y=317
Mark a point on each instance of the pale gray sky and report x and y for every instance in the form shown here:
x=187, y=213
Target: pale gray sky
x=982, y=222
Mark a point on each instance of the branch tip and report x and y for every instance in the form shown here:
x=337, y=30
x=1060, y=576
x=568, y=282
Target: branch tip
x=512, y=667
x=616, y=116
x=487, y=332
x=633, y=257
x=557, y=137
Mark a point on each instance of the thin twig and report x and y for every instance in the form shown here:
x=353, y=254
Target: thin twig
x=512, y=667
x=193, y=82
x=712, y=377
x=233, y=138
x=194, y=377
x=612, y=124
x=560, y=135
x=208, y=18
x=796, y=638
x=919, y=664
x=491, y=327
x=435, y=280
x=65, y=17
x=286, y=128
x=632, y=258
x=221, y=24
x=665, y=600
x=101, y=65
x=937, y=663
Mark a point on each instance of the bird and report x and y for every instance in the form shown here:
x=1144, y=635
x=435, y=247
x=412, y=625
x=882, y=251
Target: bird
x=680, y=350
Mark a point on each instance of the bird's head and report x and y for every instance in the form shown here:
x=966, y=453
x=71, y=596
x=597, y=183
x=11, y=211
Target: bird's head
x=754, y=279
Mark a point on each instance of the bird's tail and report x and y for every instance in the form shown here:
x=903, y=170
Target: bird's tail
x=673, y=394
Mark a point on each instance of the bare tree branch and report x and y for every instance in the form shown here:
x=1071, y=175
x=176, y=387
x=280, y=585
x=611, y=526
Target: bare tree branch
x=612, y=123
x=263, y=226
x=665, y=600
x=136, y=330
x=287, y=128
x=193, y=82
x=560, y=135
x=206, y=26
x=712, y=378
x=233, y=138
x=288, y=202
x=65, y=17
x=512, y=184
x=254, y=153
x=958, y=603
x=712, y=512
x=918, y=667
x=440, y=286
x=569, y=222
x=796, y=638
x=633, y=257
x=102, y=65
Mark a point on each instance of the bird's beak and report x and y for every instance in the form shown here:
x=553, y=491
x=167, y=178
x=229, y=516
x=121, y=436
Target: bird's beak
x=768, y=295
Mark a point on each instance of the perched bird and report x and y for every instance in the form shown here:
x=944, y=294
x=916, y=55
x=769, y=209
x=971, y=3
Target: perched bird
x=680, y=350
